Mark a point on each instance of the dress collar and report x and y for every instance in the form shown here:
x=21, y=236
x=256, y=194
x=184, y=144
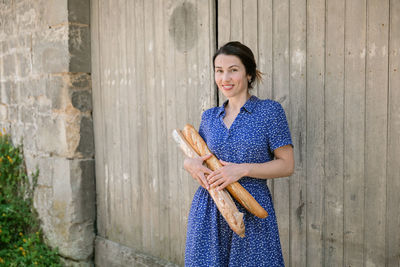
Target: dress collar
x=248, y=106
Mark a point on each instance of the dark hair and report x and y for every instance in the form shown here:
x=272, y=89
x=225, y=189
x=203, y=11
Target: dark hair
x=245, y=55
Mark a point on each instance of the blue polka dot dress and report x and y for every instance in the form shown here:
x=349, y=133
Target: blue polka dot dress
x=258, y=129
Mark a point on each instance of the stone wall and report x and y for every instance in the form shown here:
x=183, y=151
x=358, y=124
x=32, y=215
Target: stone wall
x=46, y=104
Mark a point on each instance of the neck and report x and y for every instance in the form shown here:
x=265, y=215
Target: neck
x=235, y=103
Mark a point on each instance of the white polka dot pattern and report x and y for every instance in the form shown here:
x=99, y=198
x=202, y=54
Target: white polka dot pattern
x=259, y=129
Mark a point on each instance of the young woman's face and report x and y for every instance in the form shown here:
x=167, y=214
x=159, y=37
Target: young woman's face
x=230, y=75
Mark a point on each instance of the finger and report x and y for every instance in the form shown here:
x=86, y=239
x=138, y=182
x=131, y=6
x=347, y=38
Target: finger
x=224, y=162
x=223, y=185
x=217, y=183
x=212, y=174
x=205, y=157
x=215, y=178
x=206, y=170
x=204, y=181
x=200, y=182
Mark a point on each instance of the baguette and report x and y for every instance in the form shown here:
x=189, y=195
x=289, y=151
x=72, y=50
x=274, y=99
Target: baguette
x=236, y=189
x=222, y=199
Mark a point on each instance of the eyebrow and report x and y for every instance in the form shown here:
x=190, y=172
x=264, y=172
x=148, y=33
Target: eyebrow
x=228, y=67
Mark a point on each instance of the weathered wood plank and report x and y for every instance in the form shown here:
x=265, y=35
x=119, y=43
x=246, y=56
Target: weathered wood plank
x=334, y=101
x=149, y=84
x=265, y=41
x=376, y=132
x=98, y=115
x=236, y=20
x=229, y=27
x=162, y=135
x=250, y=25
x=144, y=202
x=265, y=54
x=354, y=128
x=181, y=110
x=280, y=81
x=134, y=124
x=152, y=105
x=207, y=77
x=125, y=130
x=224, y=21
x=174, y=159
x=298, y=116
x=393, y=147
x=105, y=11
x=315, y=130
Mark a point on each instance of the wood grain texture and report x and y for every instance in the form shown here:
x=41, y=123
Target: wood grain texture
x=354, y=130
x=333, y=65
x=376, y=89
x=315, y=131
x=393, y=147
x=297, y=114
x=334, y=119
x=281, y=87
x=149, y=70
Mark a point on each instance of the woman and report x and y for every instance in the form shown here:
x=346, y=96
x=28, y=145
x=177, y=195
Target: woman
x=251, y=138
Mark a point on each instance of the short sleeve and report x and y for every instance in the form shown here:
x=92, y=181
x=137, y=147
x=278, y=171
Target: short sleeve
x=278, y=128
x=202, y=127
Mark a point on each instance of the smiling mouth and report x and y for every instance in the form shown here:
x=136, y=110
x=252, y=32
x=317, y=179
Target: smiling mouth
x=227, y=87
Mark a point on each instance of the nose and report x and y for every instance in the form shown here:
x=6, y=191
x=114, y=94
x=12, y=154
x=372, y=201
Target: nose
x=225, y=76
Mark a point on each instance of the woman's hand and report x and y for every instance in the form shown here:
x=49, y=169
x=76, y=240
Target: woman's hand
x=197, y=170
x=229, y=173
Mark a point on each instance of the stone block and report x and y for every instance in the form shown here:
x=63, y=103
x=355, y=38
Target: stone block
x=56, y=91
x=29, y=135
x=42, y=202
x=13, y=92
x=80, y=81
x=51, y=134
x=82, y=186
x=7, y=92
x=86, y=141
x=7, y=22
x=16, y=132
x=82, y=100
x=14, y=113
x=30, y=89
x=79, y=48
x=70, y=263
x=24, y=64
x=5, y=4
x=55, y=11
x=5, y=46
x=26, y=15
x=3, y=112
x=69, y=216
x=50, y=50
x=28, y=114
x=79, y=11
x=9, y=62
x=23, y=42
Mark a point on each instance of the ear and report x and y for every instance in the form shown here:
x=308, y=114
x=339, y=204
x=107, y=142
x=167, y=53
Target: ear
x=249, y=78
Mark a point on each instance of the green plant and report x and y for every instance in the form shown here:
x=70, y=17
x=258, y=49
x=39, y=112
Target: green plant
x=21, y=240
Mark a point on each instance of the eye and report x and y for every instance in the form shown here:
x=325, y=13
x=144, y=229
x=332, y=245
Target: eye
x=234, y=70
x=218, y=71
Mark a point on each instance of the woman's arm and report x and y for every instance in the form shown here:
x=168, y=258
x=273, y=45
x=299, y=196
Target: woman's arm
x=197, y=170
x=281, y=166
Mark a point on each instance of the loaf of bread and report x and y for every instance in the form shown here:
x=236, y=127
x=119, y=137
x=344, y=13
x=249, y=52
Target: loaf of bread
x=235, y=189
x=222, y=199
